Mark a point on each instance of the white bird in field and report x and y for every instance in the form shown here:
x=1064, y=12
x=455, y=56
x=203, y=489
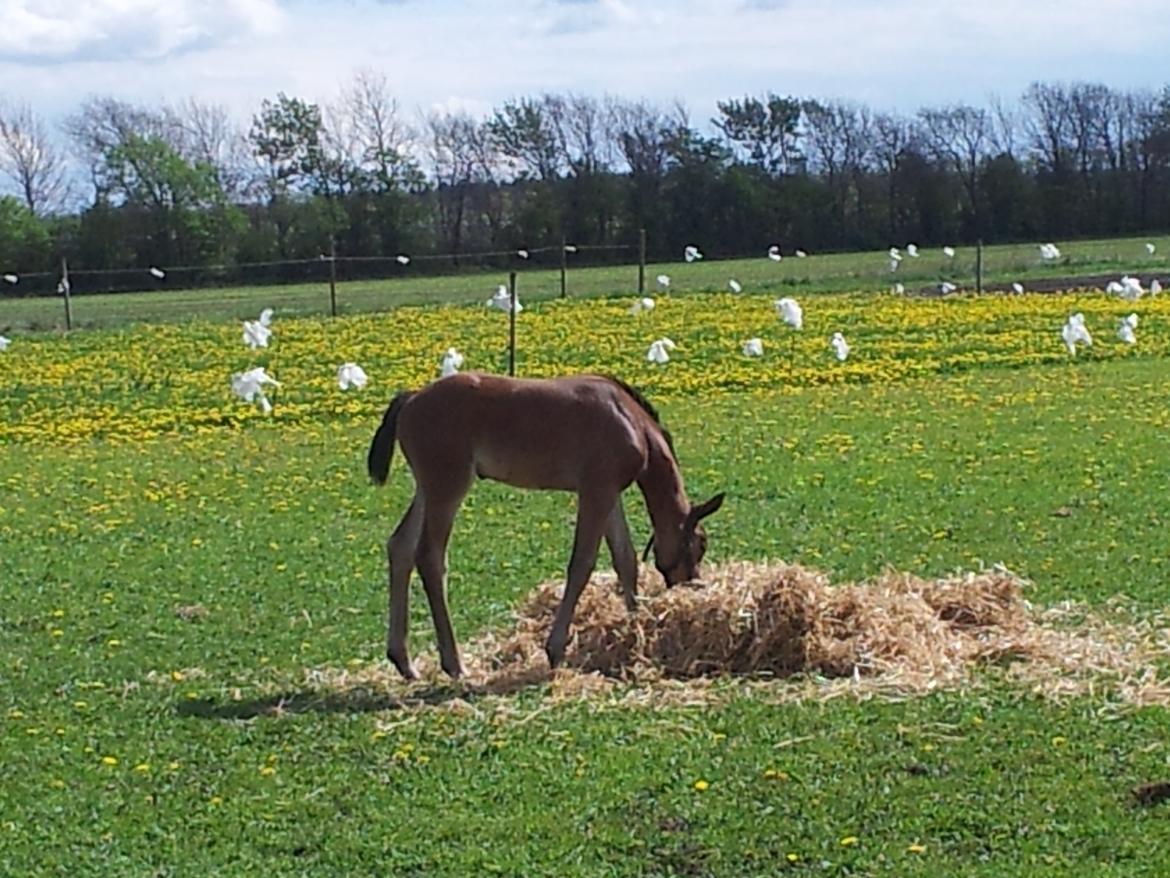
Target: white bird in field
x=1151, y=247
x=1129, y=288
x=256, y=334
x=894, y=263
x=663, y=281
x=840, y=346
x=450, y=363
x=753, y=347
x=774, y=253
x=660, y=351
x=899, y=288
x=1017, y=287
x=351, y=375
x=643, y=304
x=5, y=341
x=1126, y=327
x=912, y=249
x=402, y=259
x=800, y=254
x=63, y=287
x=11, y=278
x=736, y=286
x=949, y=252
x=266, y=317
x=522, y=253
x=570, y=248
x=1049, y=251
x=1074, y=331
x=691, y=253
x=790, y=312
x=503, y=300
x=157, y=272
x=946, y=287
x=249, y=386
x=894, y=254
x=1155, y=287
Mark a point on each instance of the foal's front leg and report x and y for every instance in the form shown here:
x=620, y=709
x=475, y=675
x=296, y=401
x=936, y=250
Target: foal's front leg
x=625, y=558
x=593, y=512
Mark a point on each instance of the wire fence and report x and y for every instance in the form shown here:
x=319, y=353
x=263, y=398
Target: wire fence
x=336, y=284
x=78, y=297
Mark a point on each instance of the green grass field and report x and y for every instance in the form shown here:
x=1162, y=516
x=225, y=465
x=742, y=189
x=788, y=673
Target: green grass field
x=836, y=272
x=142, y=737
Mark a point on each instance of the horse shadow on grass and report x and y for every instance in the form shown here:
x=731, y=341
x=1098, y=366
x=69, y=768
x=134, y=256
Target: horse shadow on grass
x=357, y=698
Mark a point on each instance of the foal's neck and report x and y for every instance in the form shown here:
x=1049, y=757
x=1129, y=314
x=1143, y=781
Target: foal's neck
x=666, y=498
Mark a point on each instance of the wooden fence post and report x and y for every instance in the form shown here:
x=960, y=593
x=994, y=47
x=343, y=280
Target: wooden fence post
x=564, y=267
x=332, y=276
x=64, y=289
x=512, y=323
x=979, y=266
x=641, y=262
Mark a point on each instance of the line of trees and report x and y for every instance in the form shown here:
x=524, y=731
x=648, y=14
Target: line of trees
x=186, y=184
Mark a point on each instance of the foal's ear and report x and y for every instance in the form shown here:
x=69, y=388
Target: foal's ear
x=698, y=513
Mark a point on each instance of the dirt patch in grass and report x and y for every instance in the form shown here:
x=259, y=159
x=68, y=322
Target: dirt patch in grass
x=791, y=631
x=1041, y=284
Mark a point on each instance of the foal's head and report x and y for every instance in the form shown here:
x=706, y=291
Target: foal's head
x=683, y=564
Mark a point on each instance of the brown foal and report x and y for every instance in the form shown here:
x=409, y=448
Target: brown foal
x=588, y=434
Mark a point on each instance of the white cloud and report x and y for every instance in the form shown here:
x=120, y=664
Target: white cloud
x=45, y=31
x=474, y=54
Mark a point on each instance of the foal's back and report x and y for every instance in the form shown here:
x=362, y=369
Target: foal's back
x=560, y=433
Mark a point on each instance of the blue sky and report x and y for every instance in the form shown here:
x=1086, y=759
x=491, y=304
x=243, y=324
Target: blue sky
x=890, y=54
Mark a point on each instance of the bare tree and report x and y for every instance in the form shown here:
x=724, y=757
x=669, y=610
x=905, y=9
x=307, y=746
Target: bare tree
x=583, y=135
x=1005, y=126
x=893, y=136
x=454, y=149
x=960, y=138
x=375, y=134
x=1047, y=123
x=207, y=133
x=28, y=157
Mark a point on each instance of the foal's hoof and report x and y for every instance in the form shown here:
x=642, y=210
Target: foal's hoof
x=405, y=668
x=454, y=671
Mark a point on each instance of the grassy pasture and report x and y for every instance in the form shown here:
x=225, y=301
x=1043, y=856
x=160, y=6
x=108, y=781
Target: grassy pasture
x=176, y=567
x=540, y=278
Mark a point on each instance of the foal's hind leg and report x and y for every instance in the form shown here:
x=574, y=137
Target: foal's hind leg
x=621, y=549
x=432, y=566
x=593, y=512
x=401, y=549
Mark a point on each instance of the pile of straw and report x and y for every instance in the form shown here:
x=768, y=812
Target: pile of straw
x=770, y=621
x=895, y=636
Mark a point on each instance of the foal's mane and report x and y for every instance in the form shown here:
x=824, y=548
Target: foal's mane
x=648, y=408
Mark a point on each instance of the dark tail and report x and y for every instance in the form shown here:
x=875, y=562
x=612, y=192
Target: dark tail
x=382, y=448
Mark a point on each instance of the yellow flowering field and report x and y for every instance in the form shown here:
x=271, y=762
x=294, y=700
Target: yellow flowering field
x=150, y=380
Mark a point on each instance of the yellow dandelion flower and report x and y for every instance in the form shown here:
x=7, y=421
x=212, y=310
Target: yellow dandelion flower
x=142, y=767
x=109, y=760
x=701, y=785
x=267, y=770
x=849, y=841
x=916, y=848
x=792, y=857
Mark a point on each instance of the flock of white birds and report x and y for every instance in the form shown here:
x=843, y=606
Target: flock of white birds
x=251, y=384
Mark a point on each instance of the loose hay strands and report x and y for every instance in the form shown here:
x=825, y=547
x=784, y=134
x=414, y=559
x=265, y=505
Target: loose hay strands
x=895, y=636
